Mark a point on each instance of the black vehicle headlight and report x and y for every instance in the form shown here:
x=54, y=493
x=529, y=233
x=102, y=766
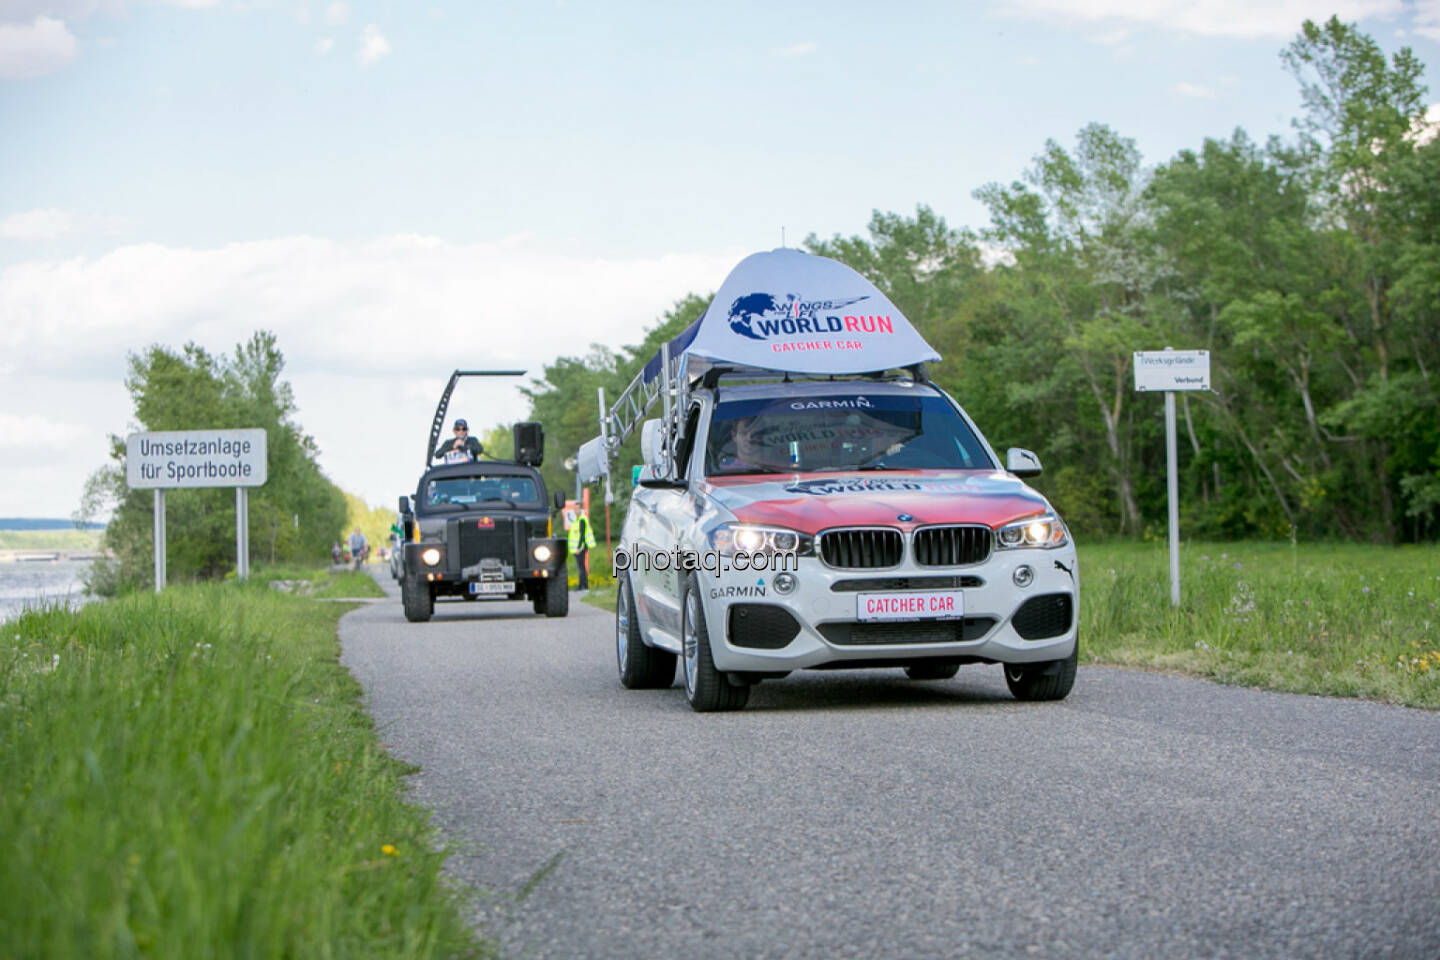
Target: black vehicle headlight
x=430, y=556
x=731, y=538
x=542, y=553
x=1043, y=532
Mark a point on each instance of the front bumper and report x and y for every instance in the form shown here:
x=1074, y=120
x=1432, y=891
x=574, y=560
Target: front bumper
x=823, y=606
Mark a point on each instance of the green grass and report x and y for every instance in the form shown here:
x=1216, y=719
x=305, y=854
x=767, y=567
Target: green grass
x=1335, y=619
x=334, y=583
x=192, y=774
x=50, y=539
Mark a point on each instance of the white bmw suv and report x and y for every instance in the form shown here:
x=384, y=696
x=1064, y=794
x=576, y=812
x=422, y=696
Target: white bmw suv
x=839, y=523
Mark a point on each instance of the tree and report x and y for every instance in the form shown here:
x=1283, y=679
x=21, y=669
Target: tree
x=295, y=516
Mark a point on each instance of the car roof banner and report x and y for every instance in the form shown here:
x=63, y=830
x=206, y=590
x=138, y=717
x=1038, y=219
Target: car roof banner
x=796, y=312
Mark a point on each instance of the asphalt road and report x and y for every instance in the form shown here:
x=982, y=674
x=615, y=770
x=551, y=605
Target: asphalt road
x=861, y=814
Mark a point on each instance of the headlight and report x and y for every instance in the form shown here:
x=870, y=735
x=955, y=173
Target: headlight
x=430, y=557
x=1045, y=532
x=732, y=538
x=542, y=553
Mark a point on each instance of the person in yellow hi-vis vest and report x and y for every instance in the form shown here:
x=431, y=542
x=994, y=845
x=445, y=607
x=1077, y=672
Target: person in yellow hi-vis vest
x=582, y=538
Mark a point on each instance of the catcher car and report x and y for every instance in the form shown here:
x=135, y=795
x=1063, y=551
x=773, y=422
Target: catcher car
x=809, y=500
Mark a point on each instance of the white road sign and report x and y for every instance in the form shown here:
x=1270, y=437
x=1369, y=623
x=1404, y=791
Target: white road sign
x=195, y=458
x=1172, y=370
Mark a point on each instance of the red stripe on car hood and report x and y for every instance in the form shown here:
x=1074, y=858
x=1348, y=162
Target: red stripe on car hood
x=811, y=502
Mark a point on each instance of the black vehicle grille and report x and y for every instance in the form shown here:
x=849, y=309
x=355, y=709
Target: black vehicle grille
x=861, y=549
x=951, y=546
x=1043, y=616
x=929, y=631
x=761, y=626
x=859, y=584
x=481, y=542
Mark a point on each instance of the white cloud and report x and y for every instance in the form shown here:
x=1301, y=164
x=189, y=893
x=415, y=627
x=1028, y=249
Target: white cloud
x=1245, y=19
x=1193, y=91
x=43, y=46
x=46, y=224
x=337, y=13
x=323, y=45
x=373, y=47
x=1427, y=19
x=20, y=432
x=799, y=49
x=369, y=331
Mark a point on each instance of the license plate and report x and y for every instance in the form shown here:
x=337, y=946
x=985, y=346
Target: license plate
x=492, y=586
x=911, y=605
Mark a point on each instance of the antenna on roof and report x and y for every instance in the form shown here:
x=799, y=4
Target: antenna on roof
x=782, y=236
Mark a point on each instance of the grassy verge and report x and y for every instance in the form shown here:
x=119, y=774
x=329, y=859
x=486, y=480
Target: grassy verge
x=1338, y=619
x=329, y=584
x=192, y=774
x=1341, y=620
x=50, y=539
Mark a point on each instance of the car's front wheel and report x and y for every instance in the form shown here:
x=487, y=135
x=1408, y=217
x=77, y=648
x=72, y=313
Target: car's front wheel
x=641, y=667
x=416, y=598
x=1048, y=680
x=706, y=688
x=557, y=597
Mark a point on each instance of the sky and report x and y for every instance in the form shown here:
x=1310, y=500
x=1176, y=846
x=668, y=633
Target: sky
x=400, y=189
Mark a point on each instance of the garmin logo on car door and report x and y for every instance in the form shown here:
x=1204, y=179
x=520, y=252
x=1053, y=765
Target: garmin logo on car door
x=764, y=316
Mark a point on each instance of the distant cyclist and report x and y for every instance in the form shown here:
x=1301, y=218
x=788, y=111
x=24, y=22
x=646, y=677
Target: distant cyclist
x=358, y=547
x=461, y=448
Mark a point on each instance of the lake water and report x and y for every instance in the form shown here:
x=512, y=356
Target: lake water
x=27, y=583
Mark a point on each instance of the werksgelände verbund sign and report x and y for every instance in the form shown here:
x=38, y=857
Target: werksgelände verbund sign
x=195, y=458
x=1172, y=370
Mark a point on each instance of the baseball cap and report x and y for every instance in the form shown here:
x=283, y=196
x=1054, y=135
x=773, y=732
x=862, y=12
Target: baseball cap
x=461, y=423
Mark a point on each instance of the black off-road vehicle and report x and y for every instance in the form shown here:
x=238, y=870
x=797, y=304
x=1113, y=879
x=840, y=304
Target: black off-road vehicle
x=483, y=529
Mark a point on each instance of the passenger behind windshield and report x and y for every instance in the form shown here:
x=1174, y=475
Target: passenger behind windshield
x=489, y=490
x=836, y=433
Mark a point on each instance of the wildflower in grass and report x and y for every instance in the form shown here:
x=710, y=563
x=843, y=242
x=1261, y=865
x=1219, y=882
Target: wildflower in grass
x=1237, y=564
x=1364, y=589
x=389, y=850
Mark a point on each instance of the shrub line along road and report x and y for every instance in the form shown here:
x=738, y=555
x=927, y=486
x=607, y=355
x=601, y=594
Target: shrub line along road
x=866, y=815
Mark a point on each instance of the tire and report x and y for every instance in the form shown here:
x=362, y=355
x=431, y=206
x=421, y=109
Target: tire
x=1050, y=680
x=932, y=671
x=557, y=597
x=537, y=602
x=641, y=667
x=707, y=689
x=416, y=598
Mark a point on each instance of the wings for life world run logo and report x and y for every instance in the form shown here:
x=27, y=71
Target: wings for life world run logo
x=765, y=317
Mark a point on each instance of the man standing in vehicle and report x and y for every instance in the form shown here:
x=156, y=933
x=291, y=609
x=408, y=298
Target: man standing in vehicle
x=582, y=538
x=462, y=448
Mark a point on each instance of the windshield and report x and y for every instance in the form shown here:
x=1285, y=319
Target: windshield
x=489, y=490
x=840, y=432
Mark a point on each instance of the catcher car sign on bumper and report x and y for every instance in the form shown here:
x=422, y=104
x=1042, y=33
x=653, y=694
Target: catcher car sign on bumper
x=911, y=605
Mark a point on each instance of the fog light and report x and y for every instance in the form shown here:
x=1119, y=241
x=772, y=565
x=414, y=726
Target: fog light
x=430, y=557
x=542, y=553
x=1023, y=576
x=785, y=583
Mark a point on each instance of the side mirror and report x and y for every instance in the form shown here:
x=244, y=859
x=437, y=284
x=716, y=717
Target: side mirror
x=635, y=472
x=650, y=443
x=559, y=500
x=404, y=506
x=1022, y=463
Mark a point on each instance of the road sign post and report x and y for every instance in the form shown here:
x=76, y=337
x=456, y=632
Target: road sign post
x=1171, y=370
x=198, y=458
